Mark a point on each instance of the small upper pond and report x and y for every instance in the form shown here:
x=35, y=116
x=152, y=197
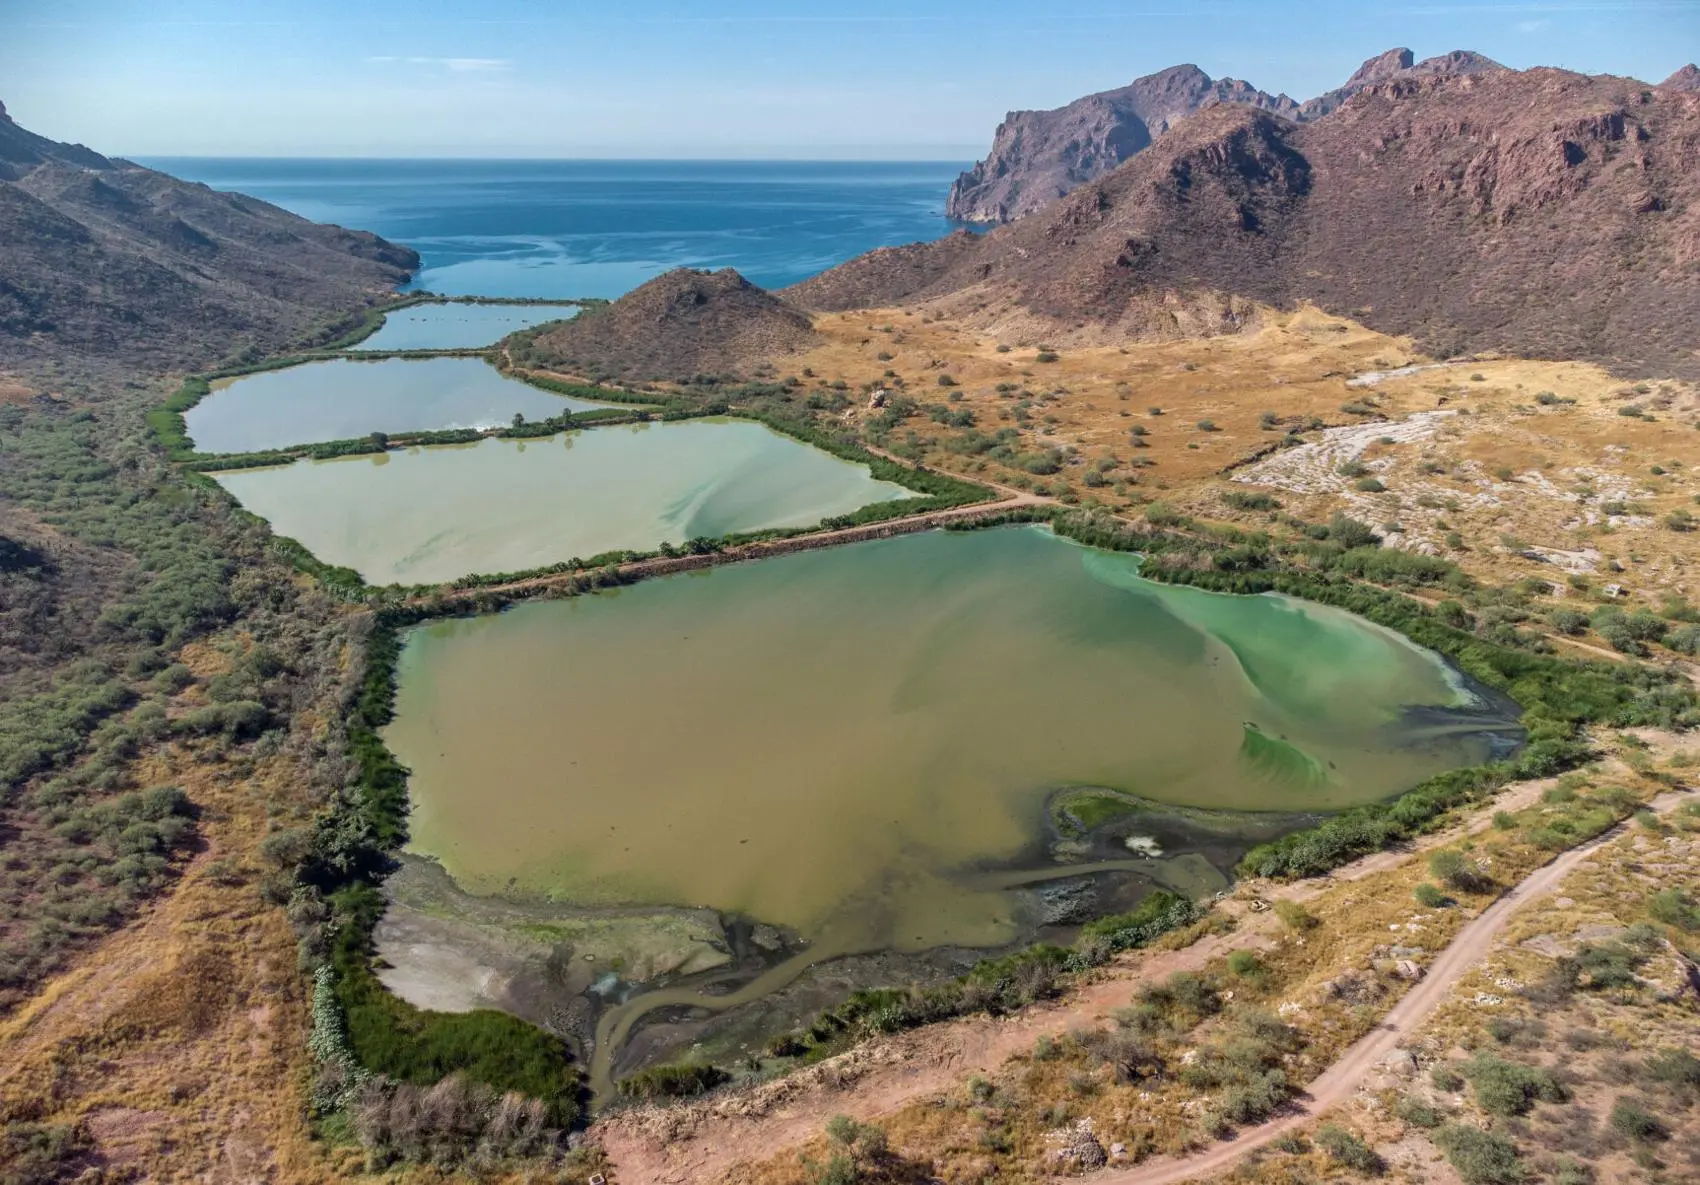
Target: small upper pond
x=426, y=515
x=342, y=398
x=458, y=326
x=835, y=741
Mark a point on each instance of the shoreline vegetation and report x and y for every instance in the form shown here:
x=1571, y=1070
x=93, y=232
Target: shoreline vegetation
x=1559, y=697
x=360, y=1030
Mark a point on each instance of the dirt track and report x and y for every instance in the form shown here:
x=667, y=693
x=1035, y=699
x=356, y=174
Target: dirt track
x=700, y=1142
x=1341, y=1080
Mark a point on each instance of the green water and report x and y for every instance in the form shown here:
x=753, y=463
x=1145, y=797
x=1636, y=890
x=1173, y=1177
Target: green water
x=342, y=398
x=834, y=740
x=459, y=326
x=427, y=515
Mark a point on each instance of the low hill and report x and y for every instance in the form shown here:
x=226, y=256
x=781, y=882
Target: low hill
x=1040, y=156
x=106, y=259
x=680, y=324
x=1544, y=213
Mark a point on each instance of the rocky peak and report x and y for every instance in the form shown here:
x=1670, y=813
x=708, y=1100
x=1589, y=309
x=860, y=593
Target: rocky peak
x=1038, y=156
x=1381, y=66
x=1685, y=79
x=4, y=118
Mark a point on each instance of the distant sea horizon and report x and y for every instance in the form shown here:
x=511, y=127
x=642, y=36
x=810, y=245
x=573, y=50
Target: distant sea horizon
x=600, y=227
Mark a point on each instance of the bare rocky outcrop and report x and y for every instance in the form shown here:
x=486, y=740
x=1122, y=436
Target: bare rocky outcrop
x=1431, y=204
x=680, y=324
x=1685, y=79
x=111, y=260
x=1038, y=157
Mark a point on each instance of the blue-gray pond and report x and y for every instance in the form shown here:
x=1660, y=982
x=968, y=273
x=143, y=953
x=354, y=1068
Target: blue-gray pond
x=343, y=398
x=459, y=325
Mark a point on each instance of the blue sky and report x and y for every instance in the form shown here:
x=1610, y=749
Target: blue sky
x=671, y=78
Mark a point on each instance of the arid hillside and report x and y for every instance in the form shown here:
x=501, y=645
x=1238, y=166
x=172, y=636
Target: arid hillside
x=678, y=325
x=1542, y=213
x=115, y=261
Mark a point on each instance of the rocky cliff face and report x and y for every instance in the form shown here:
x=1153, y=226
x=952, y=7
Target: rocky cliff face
x=1543, y=213
x=104, y=258
x=1039, y=156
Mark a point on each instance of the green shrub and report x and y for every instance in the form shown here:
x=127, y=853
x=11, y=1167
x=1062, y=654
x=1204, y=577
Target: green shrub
x=1417, y=1113
x=1295, y=916
x=671, y=1082
x=1504, y=1087
x=1480, y=1158
x=1674, y=907
x=1246, y=965
x=1428, y=896
x=1369, y=485
x=1459, y=872
x=1634, y=1123
x=1344, y=1147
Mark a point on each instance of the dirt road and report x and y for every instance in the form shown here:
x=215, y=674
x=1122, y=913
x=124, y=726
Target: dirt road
x=685, y=1145
x=1341, y=1080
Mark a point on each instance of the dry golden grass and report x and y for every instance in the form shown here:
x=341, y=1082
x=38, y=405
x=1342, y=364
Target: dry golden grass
x=1535, y=453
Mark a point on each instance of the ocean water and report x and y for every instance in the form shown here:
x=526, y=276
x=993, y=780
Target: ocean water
x=600, y=228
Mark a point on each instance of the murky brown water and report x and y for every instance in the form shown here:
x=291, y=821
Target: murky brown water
x=845, y=742
x=833, y=735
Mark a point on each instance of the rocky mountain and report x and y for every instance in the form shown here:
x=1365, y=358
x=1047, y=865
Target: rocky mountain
x=1039, y=156
x=680, y=324
x=1545, y=213
x=1685, y=79
x=111, y=260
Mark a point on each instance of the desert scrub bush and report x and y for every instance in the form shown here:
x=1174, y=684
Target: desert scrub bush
x=1429, y=897
x=1244, y=1061
x=1446, y=1077
x=1295, y=917
x=1369, y=485
x=1345, y=1148
x=1132, y=1055
x=1243, y=964
x=1675, y=907
x=1246, y=500
x=1504, y=1087
x=1480, y=1157
x=1418, y=1113
x=1457, y=871
x=450, y=1124
x=1182, y=1001
x=1636, y=1123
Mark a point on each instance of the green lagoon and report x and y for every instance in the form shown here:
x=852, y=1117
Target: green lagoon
x=844, y=741
x=427, y=515
x=342, y=398
x=456, y=326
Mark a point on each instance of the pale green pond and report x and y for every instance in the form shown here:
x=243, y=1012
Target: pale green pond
x=837, y=740
x=427, y=515
x=459, y=326
x=344, y=398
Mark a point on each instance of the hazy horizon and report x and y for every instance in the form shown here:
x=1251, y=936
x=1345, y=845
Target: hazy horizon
x=752, y=80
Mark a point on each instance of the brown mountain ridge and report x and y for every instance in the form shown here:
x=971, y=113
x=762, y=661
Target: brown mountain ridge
x=1542, y=212
x=1040, y=156
x=108, y=259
